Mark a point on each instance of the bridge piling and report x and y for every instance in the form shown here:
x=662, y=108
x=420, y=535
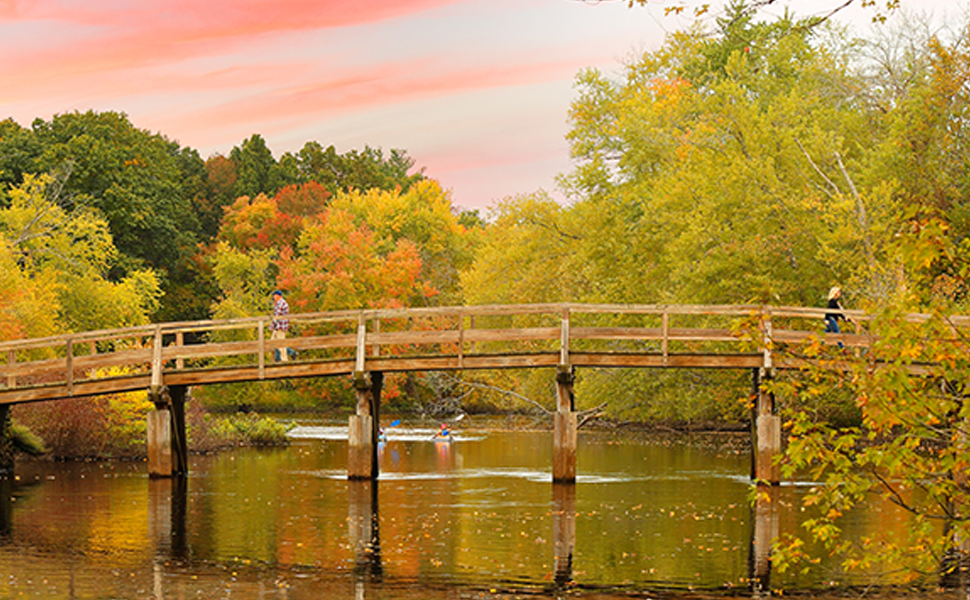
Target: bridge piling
x=167, y=444
x=364, y=426
x=565, y=428
x=765, y=431
x=6, y=441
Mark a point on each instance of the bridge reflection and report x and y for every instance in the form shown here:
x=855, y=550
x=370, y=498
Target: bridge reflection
x=766, y=529
x=168, y=515
x=563, y=532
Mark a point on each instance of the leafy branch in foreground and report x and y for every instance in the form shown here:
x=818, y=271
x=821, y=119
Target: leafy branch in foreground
x=908, y=453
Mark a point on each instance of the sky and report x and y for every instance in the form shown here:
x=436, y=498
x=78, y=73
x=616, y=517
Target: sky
x=476, y=91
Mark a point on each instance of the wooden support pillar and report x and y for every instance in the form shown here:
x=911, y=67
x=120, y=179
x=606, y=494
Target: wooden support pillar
x=167, y=444
x=6, y=441
x=180, y=446
x=564, y=428
x=364, y=427
x=765, y=431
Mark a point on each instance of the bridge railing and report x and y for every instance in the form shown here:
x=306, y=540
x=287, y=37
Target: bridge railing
x=464, y=337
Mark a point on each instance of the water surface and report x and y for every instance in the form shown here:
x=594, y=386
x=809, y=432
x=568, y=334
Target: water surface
x=478, y=516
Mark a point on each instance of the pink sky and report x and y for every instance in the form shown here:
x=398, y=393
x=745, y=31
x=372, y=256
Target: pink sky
x=476, y=91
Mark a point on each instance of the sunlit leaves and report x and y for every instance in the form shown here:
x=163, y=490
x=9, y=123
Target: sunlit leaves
x=910, y=447
x=525, y=256
x=422, y=215
x=55, y=261
x=338, y=265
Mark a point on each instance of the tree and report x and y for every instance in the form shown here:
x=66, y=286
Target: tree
x=355, y=170
x=337, y=264
x=525, y=254
x=255, y=167
x=55, y=260
x=19, y=148
x=422, y=215
x=135, y=179
x=881, y=8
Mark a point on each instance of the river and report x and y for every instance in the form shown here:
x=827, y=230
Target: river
x=478, y=517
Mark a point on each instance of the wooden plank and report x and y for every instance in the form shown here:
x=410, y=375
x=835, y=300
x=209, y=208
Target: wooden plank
x=685, y=334
x=564, y=340
x=417, y=338
x=513, y=335
x=81, y=389
x=81, y=363
x=179, y=342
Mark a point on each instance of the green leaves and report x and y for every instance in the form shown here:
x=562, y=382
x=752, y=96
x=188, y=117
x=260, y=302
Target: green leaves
x=55, y=261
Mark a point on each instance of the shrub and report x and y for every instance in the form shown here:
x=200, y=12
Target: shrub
x=252, y=429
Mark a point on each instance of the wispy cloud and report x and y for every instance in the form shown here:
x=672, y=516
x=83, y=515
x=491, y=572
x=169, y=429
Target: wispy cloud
x=460, y=84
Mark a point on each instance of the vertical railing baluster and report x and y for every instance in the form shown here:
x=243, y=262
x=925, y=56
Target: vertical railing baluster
x=766, y=319
x=461, y=340
x=361, y=348
x=564, y=338
x=179, y=341
x=11, y=361
x=664, y=334
x=157, y=358
x=376, y=350
x=69, y=366
x=262, y=349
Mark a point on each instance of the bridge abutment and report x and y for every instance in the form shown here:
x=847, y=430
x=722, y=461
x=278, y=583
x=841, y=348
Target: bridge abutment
x=364, y=426
x=765, y=430
x=565, y=428
x=167, y=445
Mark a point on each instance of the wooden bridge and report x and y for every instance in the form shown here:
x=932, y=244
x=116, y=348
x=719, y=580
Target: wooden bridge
x=168, y=358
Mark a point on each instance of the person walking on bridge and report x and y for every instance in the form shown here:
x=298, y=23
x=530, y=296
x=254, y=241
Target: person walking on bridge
x=832, y=318
x=280, y=325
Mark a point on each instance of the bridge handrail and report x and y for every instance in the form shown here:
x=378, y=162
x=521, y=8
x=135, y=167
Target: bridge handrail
x=424, y=338
x=357, y=315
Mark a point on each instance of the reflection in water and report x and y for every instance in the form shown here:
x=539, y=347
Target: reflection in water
x=6, y=506
x=364, y=529
x=563, y=531
x=766, y=527
x=167, y=506
x=167, y=502
x=476, y=515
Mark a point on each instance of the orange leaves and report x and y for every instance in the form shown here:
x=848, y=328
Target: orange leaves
x=361, y=249
x=337, y=265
